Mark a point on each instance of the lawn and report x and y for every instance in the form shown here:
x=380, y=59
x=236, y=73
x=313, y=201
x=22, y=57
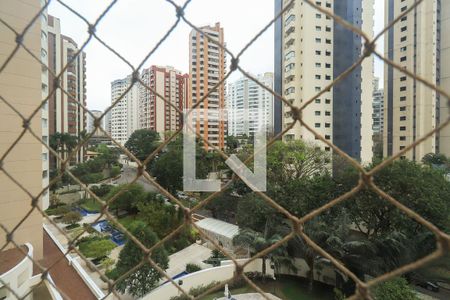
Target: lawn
x=286, y=288
x=127, y=221
x=91, y=205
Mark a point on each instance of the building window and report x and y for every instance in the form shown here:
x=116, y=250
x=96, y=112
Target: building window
x=289, y=19
x=289, y=55
x=402, y=108
x=317, y=125
x=403, y=138
x=402, y=128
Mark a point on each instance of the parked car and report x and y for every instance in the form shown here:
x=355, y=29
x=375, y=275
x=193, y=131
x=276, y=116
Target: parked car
x=428, y=285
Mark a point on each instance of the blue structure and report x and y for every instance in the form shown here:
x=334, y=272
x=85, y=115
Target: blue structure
x=347, y=93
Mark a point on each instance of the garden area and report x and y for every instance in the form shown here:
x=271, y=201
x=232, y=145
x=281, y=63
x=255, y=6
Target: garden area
x=285, y=287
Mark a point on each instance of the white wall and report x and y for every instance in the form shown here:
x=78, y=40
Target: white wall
x=204, y=277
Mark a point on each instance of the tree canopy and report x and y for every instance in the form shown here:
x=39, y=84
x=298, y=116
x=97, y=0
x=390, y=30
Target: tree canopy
x=145, y=278
x=142, y=143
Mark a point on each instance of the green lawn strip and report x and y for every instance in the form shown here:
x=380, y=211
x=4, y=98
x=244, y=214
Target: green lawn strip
x=128, y=221
x=91, y=205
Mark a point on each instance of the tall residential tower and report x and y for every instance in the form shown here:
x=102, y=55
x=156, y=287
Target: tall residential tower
x=419, y=42
x=313, y=51
x=65, y=115
x=250, y=106
x=154, y=113
x=207, y=68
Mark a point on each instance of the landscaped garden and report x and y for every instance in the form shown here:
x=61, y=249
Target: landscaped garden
x=285, y=287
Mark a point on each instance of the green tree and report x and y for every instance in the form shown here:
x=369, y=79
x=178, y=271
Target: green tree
x=232, y=143
x=130, y=196
x=256, y=242
x=293, y=160
x=101, y=190
x=145, y=278
x=142, y=143
x=394, y=289
x=422, y=189
x=161, y=218
x=168, y=167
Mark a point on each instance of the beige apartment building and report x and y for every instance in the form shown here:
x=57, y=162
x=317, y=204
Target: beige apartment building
x=64, y=113
x=21, y=86
x=420, y=42
x=207, y=64
x=313, y=50
x=154, y=113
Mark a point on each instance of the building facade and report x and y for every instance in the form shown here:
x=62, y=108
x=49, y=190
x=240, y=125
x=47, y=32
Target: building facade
x=420, y=43
x=124, y=114
x=378, y=108
x=207, y=66
x=22, y=86
x=90, y=120
x=44, y=109
x=65, y=115
x=314, y=51
x=154, y=113
x=250, y=106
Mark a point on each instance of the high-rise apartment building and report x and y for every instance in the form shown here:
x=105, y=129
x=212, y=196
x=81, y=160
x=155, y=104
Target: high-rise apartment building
x=124, y=115
x=207, y=64
x=154, y=113
x=420, y=43
x=64, y=113
x=250, y=106
x=44, y=110
x=378, y=108
x=313, y=50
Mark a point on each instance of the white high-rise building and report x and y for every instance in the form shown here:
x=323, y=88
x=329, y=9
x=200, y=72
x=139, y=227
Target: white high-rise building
x=378, y=107
x=124, y=115
x=250, y=106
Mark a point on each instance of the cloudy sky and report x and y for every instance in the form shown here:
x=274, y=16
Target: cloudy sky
x=133, y=27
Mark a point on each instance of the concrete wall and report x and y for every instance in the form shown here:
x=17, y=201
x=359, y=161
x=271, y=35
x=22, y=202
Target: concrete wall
x=18, y=278
x=204, y=277
x=20, y=85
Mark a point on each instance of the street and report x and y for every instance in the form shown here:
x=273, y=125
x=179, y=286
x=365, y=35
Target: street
x=129, y=173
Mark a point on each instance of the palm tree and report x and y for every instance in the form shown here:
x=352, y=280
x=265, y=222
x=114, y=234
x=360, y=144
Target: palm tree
x=256, y=242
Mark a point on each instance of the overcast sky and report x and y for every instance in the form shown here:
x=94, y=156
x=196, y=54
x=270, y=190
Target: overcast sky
x=133, y=27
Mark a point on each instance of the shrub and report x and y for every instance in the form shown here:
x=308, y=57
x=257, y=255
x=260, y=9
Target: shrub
x=71, y=217
x=72, y=226
x=91, y=178
x=89, y=228
x=396, y=288
x=58, y=210
x=196, y=291
x=191, y=268
x=115, y=170
x=97, y=248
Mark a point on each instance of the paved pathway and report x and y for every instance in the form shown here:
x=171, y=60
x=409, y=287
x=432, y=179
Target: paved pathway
x=195, y=254
x=129, y=173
